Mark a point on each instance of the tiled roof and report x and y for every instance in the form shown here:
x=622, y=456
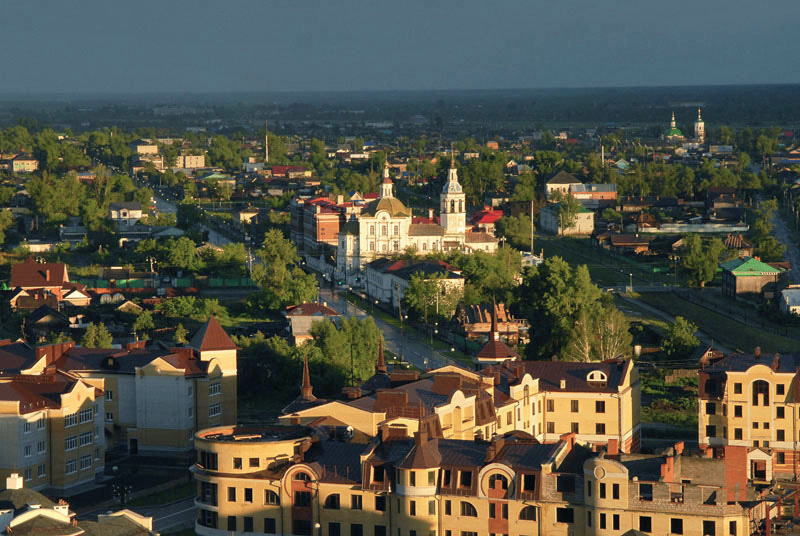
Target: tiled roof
x=32, y=274
x=787, y=363
x=211, y=336
x=478, y=238
x=562, y=177
x=486, y=216
x=733, y=241
x=497, y=349
x=310, y=309
x=425, y=229
x=15, y=357
x=550, y=374
x=20, y=498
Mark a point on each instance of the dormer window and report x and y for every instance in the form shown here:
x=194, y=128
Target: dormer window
x=597, y=378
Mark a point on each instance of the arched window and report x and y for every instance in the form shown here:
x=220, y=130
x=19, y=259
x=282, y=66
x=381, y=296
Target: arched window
x=424, y=246
x=468, y=510
x=498, y=481
x=452, y=206
x=461, y=206
x=372, y=246
x=528, y=514
x=332, y=501
x=270, y=497
x=301, y=476
x=761, y=387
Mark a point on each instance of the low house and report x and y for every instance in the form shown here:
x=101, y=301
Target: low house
x=789, y=301
x=475, y=321
x=302, y=317
x=23, y=163
x=44, y=321
x=246, y=216
x=629, y=243
x=125, y=214
x=748, y=275
x=35, y=284
x=738, y=244
x=143, y=147
x=485, y=220
x=551, y=222
x=595, y=195
x=560, y=182
x=387, y=279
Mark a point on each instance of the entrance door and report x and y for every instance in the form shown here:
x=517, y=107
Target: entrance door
x=134, y=448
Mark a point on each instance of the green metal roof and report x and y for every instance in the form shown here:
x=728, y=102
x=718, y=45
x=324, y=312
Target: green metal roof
x=748, y=266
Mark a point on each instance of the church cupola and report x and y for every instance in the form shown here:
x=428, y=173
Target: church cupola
x=700, y=128
x=453, y=211
x=387, y=188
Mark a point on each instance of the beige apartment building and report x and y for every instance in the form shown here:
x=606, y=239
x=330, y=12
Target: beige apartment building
x=297, y=480
x=51, y=429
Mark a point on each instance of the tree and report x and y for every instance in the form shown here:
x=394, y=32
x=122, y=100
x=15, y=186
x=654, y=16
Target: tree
x=143, y=322
x=517, y=230
x=182, y=254
x=181, y=333
x=420, y=296
x=281, y=281
x=768, y=248
x=680, y=339
x=568, y=210
x=97, y=336
x=6, y=221
x=699, y=260
x=614, y=336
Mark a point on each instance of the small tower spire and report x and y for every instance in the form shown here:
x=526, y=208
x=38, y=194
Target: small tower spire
x=380, y=367
x=306, y=391
x=699, y=116
x=672, y=123
x=452, y=157
x=495, y=331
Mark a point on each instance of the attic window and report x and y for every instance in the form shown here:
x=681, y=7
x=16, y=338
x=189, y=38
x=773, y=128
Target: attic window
x=597, y=378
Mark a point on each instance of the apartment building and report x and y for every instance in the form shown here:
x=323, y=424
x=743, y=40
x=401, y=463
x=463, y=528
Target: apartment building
x=599, y=402
x=753, y=401
x=301, y=481
x=51, y=429
x=196, y=382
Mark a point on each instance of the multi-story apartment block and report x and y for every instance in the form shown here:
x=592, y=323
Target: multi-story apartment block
x=753, y=401
x=196, y=382
x=295, y=480
x=51, y=429
x=599, y=402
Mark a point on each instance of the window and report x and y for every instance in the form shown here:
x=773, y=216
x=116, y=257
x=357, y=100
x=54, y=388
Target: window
x=780, y=389
x=565, y=515
x=380, y=503
x=237, y=463
x=412, y=478
x=431, y=478
x=602, y=521
x=645, y=492
x=28, y=474
x=380, y=530
x=214, y=409
x=40, y=424
x=334, y=529
x=711, y=408
x=732, y=528
x=190, y=411
x=780, y=412
x=86, y=415
x=446, y=475
x=70, y=420
x=550, y=405
x=248, y=495
x=28, y=451
x=780, y=435
x=468, y=510
x=781, y=458
x=232, y=523
x=760, y=391
x=599, y=406
x=109, y=416
x=412, y=508
x=737, y=411
x=466, y=479
x=615, y=522
x=528, y=514
x=71, y=443
x=86, y=461
x=302, y=476
x=27, y=427
x=71, y=466
x=565, y=484
x=214, y=389
x=41, y=471
x=551, y=428
x=254, y=462
x=588, y=519
x=109, y=396
x=270, y=497
x=497, y=481
x=676, y=525
x=509, y=417
x=269, y=525
x=468, y=533
x=600, y=428
x=573, y=406
x=737, y=433
x=711, y=431
x=301, y=527
x=372, y=230
x=356, y=502
x=448, y=508
x=766, y=426
x=431, y=508
x=529, y=483
x=356, y=529
x=302, y=498
x=645, y=523
x=615, y=491
x=602, y=490
x=231, y=494
x=588, y=488
x=573, y=427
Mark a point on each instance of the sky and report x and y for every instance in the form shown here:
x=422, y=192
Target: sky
x=197, y=46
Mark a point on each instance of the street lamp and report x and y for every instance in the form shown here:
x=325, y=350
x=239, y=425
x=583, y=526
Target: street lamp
x=630, y=287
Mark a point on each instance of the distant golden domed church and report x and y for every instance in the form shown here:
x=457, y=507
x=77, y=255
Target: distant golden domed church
x=675, y=134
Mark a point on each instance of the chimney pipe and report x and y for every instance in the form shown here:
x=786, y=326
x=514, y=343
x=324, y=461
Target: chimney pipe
x=430, y=213
x=757, y=353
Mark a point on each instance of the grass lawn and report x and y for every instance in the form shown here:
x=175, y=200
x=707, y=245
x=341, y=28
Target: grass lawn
x=674, y=404
x=166, y=496
x=728, y=331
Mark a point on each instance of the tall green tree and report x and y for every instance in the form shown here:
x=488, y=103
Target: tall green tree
x=680, y=339
x=700, y=260
x=97, y=336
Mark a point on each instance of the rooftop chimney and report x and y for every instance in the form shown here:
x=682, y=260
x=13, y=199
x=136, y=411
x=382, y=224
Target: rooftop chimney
x=430, y=213
x=776, y=361
x=613, y=448
x=757, y=352
x=563, y=383
x=47, y=275
x=14, y=481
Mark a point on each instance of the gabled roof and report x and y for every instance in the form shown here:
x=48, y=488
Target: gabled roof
x=210, y=337
x=487, y=216
x=32, y=274
x=562, y=177
x=310, y=309
x=130, y=205
x=749, y=266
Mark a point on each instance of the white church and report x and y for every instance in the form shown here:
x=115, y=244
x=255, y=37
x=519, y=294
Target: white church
x=386, y=227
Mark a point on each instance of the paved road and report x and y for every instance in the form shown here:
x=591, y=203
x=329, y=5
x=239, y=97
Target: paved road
x=172, y=517
x=782, y=233
x=415, y=349
x=167, y=207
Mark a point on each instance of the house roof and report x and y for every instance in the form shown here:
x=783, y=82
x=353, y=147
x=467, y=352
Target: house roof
x=392, y=205
x=562, y=177
x=749, y=266
x=18, y=499
x=487, y=216
x=15, y=357
x=310, y=309
x=786, y=363
x=211, y=336
x=791, y=296
x=574, y=374
x=33, y=274
x=475, y=237
x=496, y=349
x=425, y=229
x=130, y=205
x=733, y=241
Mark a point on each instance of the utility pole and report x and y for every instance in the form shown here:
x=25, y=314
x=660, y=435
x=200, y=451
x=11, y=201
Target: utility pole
x=531, y=227
x=266, y=142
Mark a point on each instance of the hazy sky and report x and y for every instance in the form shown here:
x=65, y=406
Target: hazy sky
x=269, y=45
